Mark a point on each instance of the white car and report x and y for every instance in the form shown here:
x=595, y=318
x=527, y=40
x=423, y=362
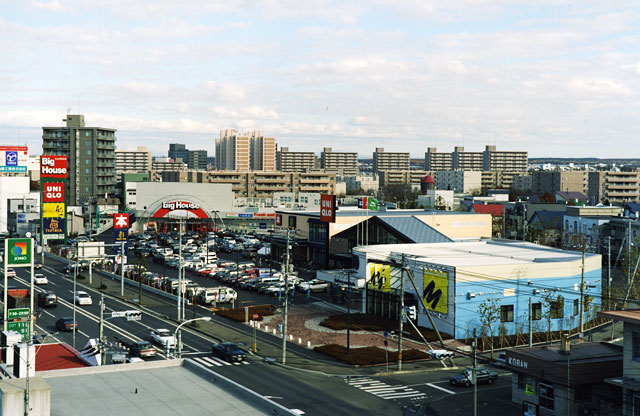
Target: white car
x=314, y=285
x=11, y=272
x=40, y=279
x=83, y=298
x=163, y=337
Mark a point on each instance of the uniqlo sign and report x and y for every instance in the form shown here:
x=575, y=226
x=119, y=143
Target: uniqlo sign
x=53, y=166
x=328, y=208
x=53, y=192
x=120, y=220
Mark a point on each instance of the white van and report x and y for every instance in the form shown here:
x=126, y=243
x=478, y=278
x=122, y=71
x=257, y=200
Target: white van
x=214, y=295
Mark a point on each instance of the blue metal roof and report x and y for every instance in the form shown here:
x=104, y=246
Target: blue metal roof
x=414, y=229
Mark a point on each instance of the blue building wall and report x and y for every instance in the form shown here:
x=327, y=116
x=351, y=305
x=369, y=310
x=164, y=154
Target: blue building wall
x=466, y=307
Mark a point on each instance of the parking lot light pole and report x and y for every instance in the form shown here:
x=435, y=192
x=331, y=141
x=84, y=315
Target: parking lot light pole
x=177, y=334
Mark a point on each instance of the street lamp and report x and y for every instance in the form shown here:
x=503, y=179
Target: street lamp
x=177, y=333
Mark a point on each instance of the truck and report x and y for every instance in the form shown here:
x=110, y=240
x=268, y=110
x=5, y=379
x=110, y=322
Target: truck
x=215, y=295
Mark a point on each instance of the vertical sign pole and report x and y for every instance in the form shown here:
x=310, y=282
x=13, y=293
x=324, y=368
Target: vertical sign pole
x=6, y=255
x=122, y=268
x=31, y=288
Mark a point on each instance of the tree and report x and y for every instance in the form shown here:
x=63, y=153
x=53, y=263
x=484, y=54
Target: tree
x=489, y=313
x=552, y=306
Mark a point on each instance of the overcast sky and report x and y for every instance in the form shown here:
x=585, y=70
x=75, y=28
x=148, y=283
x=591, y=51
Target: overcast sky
x=555, y=78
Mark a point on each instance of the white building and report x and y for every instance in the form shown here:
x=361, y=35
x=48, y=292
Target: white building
x=11, y=187
x=437, y=198
x=133, y=160
x=460, y=181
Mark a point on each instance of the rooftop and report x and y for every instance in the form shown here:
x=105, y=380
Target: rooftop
x=358, y=212
x=57, y=357
x=585, y=352
x=477, y=253
x=631, y=316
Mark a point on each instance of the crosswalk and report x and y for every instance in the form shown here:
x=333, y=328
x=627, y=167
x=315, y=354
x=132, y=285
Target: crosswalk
x=215, y=362
x=383, y=390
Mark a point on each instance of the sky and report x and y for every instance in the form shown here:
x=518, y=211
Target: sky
x=551, y=77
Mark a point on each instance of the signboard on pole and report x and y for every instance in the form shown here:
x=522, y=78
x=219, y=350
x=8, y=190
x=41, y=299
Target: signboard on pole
x=14, y=158
x=278, y=220
x=121, y=221
x=53, y=192
x=18, y=313
x=328, y=208
x=19, y=252
x=53, y=167
x=22, y=327
x=53, y=184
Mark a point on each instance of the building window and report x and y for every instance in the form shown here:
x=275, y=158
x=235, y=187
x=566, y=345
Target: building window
x=557, y=310
x=635, y=346
x=521, y=381
x=546, y=397
x=506, y=313
x=89, y=152
x=576, y=307
x=536, y=311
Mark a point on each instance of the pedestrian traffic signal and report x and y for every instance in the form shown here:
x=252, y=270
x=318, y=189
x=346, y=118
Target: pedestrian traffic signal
x=412, y=313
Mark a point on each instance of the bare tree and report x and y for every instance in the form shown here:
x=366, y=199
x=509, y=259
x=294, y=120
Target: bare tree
x=552, y=306
x=489, y=312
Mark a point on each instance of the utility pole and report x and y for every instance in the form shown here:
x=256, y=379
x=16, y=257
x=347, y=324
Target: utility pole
x=475, y=385
x=401, y=315
x=286, y=303
x=101, y=329
x=75, y=290
x=530, y=323
x=179, y=265
x=582, y=295
x=348, y=312
x=122, y=268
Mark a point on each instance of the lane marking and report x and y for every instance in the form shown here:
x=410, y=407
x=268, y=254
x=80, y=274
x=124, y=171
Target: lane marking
x=441, y=388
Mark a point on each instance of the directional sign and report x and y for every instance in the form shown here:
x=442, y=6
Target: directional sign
x=118, y=314
x=18, y=313
x=21, y=327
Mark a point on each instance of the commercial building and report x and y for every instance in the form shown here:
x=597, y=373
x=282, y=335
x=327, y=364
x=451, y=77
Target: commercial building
x=260, y=184
x=249, y=151
x=566, y=379
x=456, y=278
x=331, y=245
x=461, y=181
x=488, y=160
x=91, y=155
x=343, y=163
x=287, y=161
x=195, y=159
x=133, y=160
x=390, y=160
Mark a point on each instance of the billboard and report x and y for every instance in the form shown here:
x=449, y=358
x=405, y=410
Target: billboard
x=53, y=226
x=53, y=210
x=328, y=208
x=14, y=158
x=435, y=285
x=53, y=166
x=19, y=251
x=379, y=277
x=53, y=192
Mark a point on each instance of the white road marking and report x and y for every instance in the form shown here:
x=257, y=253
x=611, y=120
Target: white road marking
x=383, y=390
x=441, y=388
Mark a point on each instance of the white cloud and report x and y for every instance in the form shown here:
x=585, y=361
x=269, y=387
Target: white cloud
x=599, y=86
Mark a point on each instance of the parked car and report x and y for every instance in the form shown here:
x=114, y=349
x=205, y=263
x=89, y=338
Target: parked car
x=40, y=279
x=143, y=349
x=466, y=378
x=66, y=324
x=82, y=298
x=501, y=361
x=163, y=337
x=47, y=299
x=314, y=285
x=228, y=351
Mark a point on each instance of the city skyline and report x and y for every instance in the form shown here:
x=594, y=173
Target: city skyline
x=552, y=78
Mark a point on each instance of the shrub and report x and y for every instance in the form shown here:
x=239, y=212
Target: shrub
x=239, y=314
x=369, y=355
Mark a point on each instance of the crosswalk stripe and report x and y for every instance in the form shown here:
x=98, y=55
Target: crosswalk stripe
x=201, y=361
x=383, y=390
x=216, y=361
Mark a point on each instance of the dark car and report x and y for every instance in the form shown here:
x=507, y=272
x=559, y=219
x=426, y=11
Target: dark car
x=143, y=349
x=228, y=351
x=47, y=299
x=66, y=324
x=466, y=378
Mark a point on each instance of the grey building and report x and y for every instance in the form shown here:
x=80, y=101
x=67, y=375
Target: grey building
x=287, y=161
x=195, y=159
x=343, y=162
x=91, y=154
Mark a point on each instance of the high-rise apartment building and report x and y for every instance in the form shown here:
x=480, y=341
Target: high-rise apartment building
x=91, y=154
x=287, y=161
x=345, y=163
x=488, y=160
x=250, y=151
x=133, y=160
x=434, y=161
x=390, y=160
x=617, y=187
x=161, y=164
x=195, y=159
x=543, y=182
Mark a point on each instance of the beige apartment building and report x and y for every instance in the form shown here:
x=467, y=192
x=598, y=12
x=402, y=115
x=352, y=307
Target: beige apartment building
x=260, y=184
x=505, y=161
x=287, y=161
x=344, y=163
x=488, y=160
x=467, y=160
x=390, y=160
x=494, y=179
x=616, y=187
x=434, y=161
x=401, y=177
x=244, y=152
x=557, y=181
x=133, y=160
x=161, y=164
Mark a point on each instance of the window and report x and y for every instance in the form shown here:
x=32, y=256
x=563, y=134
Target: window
x=536, y=311
x=635, y=346
x=506, y=313
x=557, y=310
x=89, y=152
x=546, y=397
x=521, y=381
x=576, y=307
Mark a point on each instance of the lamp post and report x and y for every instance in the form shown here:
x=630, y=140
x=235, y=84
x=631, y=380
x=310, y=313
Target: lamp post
x=177, y=333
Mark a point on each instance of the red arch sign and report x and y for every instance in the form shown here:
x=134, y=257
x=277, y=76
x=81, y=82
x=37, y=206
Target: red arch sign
x=168, y=207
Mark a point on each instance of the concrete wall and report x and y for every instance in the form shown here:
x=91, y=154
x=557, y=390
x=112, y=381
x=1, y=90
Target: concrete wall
x=12, y=397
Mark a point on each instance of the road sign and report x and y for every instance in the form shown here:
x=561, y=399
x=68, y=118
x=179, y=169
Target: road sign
x=18, y=313
x=255, y=316
x=21, y=327
x=134, y=315
x=386, y=334
x=386, y=343
x=118, y=314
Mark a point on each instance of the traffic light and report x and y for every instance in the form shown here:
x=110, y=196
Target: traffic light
x=441, y=354
x=412, y=313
